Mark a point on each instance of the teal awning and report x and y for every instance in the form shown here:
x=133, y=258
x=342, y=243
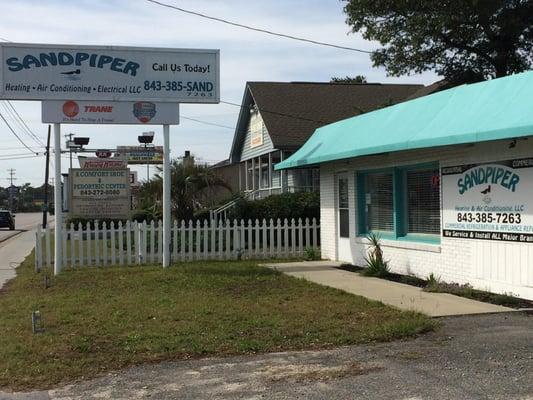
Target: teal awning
x=496, y=109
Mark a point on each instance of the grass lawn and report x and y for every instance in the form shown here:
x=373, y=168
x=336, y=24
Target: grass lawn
x=97, y=320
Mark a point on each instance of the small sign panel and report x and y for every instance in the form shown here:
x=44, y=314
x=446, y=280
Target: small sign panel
x=109, y=112
x=100, y=194
x=103, y=153
x=256, y=131
x=108, y=73
x=102, y=163
x=134, y=181
x=141, y=154
x=491, y=201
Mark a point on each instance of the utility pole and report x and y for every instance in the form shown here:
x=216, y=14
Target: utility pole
x=11, y=179
x=69, y=146
x=147, y=165
x=46, y=173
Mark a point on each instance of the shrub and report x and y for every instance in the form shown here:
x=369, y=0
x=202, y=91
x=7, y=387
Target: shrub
x=287, y=205
x=92, y=223
x=375, y=264
x=433, y=281
x=144, y=215
x=312, y=254
x=466, y=290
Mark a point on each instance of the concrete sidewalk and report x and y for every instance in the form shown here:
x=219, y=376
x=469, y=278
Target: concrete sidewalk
x=395, y=294
x=12, y=252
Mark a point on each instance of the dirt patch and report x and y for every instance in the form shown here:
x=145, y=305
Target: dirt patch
x=316, y=372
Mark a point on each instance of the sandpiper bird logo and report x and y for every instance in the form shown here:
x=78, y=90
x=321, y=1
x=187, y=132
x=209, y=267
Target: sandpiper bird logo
x=72, y=75
x=486, y=197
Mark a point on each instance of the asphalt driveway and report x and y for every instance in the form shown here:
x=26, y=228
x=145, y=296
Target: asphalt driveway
x=470, y=357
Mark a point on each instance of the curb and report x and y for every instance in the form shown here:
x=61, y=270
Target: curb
x=12, y=236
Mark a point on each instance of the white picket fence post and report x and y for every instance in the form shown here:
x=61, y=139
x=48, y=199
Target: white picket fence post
x=141, y=243
x=38, y=250
x=113, y=250
x=159, y=241
x=175, y=241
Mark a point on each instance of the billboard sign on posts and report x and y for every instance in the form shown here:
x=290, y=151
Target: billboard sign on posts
x=109, y=112
x=108, y=73
x=100, y=193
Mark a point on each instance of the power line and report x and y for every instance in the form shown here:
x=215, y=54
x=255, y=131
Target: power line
x=6, y=158
x=207, y=123
x=17, y=154
x=14, y=133
x=24, y=125
x=12, y=113
x=263, y=111
x=22, y=157
x=268, y=32
x=18, y=148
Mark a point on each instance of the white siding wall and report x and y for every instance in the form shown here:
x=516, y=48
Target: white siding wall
x=248, y=152
x=495, y=266
x=328, y=231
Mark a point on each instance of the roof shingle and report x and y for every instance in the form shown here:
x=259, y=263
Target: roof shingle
x=292, y=111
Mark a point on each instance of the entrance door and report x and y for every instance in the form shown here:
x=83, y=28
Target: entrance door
x=343, y=219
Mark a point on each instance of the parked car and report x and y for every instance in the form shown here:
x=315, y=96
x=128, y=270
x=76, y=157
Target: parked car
x=7, y=220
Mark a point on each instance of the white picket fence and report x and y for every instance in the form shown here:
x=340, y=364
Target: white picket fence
x=136, y=243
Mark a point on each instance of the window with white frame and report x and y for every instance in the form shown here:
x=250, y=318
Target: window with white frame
x=342, y=202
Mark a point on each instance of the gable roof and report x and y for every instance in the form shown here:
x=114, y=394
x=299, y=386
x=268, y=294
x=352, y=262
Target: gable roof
x=490, y=110
x=435, y=87
x=292, y=111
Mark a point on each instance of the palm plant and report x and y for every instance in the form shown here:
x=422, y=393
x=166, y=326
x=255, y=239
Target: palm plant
x=375, y=264
x=192, y=188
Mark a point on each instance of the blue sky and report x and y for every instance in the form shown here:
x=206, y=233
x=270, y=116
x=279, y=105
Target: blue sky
x=245, y=56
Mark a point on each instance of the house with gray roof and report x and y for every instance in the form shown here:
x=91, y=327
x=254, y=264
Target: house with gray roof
x=277, y=118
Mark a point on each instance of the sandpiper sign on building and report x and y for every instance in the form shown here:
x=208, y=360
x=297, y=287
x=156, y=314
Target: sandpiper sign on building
x=41, y=71
x=492, y=201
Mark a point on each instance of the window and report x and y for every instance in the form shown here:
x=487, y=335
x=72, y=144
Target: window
x=379, y=202
x=265, y=184
x=276, y=175
x=423, y=201
x=344, y=214
x=400, y=203
x=256, y=178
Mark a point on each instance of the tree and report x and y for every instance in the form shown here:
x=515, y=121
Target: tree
x=191, y=189
x=348, y=79
x=462, y=40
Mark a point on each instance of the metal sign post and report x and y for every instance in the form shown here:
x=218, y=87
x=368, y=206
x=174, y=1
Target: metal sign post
x=167, y=179
x=58, y=208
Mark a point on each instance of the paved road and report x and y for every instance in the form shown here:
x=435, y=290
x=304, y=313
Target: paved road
x=23, y=222
x=471, y=357
x=16, y=245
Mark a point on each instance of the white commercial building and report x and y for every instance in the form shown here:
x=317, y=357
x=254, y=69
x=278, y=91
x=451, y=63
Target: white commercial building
x=446, y=181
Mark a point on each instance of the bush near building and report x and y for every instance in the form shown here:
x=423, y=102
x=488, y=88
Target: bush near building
x=287, y=205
